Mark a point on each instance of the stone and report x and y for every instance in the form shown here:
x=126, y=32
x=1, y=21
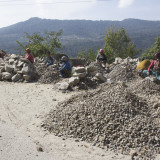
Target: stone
x=79, y=69
x=73, y=81
x=6, y=75
x=16, y=77
x=20, y=64
x=80, y=75
x=27, y=77
x=100, y=77
x=11, y=61
x=118, y=60
x=91, y=68
x=62, y=85
x=14, y=56
x=2, y=69
x=9, y=68
x=25, y=69
x=0, y=76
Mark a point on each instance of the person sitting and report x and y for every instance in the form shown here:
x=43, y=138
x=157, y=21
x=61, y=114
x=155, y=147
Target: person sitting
x=66, y=68
x=154, y=68
x=101, y=58
x=29, y=55
x=143, y=65
x=49, y=60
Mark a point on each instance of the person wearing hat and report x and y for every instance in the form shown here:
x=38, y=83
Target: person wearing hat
x=101, y=58
x=49, y=60
x=66, y=68
x=154, y=68
x=29, y=55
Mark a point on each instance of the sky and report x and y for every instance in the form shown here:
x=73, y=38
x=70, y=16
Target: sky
x=14, y=11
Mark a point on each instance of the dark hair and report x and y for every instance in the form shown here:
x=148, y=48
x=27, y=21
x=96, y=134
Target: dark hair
x=48, y=52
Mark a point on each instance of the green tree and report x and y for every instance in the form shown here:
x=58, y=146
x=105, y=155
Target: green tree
x=89, y=55
x=40, y=44
x=118, y=44
x=149, y=52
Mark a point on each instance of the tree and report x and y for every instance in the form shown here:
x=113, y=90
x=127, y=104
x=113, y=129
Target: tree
x=118, y=44
x=89, y=55
x=40, y=44
x=149, y=52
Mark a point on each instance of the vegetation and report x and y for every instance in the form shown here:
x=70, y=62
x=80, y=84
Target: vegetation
x=149, y=52
x=89, y=55
x=118, y=44
x=40, y=44
x=78, y=34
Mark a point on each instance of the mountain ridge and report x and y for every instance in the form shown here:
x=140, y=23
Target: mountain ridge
x=80, y=34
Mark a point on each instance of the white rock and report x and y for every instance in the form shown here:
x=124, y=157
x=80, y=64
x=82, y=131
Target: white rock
x=62, y=86
x=14, y=56
x=16, y=77
x=11, y=61
x=9, y=68
x=79, y=69
x=25, y=69
x=6, y=75
x=73, y=81
x=80, y=75
x=118, y=60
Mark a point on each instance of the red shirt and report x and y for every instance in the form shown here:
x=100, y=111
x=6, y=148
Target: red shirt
x=30, y=57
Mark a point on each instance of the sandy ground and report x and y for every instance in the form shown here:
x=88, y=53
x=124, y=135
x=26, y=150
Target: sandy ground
x=22, y=110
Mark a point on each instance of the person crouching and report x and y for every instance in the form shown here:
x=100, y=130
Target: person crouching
x=66, y=68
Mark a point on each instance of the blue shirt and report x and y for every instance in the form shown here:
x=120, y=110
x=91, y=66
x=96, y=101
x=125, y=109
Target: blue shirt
x=49, y=61
x=66, y=65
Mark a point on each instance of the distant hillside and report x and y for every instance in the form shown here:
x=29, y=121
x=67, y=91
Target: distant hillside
x=80, y=34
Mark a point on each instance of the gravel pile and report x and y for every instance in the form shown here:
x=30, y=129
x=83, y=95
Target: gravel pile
x=110, y=117
x=122, y=72
x=47, y=75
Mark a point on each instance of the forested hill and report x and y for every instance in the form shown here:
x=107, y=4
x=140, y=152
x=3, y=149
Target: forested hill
x=80, y=34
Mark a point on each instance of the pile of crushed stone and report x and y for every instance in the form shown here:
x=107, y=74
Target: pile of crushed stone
x=110, y=117
x=122, y=72
x=47, y=75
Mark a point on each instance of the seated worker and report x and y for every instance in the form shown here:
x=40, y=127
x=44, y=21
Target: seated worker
x=66, y=68
x=29, y=55
x=143, y=65
x=154, y=68
x=101, y=58
x=49, y=60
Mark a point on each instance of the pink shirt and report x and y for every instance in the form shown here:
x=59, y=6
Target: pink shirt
x=30, y=57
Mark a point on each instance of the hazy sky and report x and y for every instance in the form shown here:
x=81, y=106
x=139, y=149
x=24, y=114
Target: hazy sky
x=13, y=11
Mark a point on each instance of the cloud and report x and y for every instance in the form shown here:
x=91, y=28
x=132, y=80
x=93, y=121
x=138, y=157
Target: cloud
x=125, y=3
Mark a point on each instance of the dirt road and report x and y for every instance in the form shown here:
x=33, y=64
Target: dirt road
x=22, y=109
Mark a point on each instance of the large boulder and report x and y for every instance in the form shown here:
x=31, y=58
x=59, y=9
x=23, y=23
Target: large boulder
x=11, y=61
x=6, y=75
x=16, y=77
x=73, y=81
x=9, y=68
x=79, y=69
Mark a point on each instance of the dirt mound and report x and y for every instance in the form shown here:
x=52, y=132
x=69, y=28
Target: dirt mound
x=110, y=117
